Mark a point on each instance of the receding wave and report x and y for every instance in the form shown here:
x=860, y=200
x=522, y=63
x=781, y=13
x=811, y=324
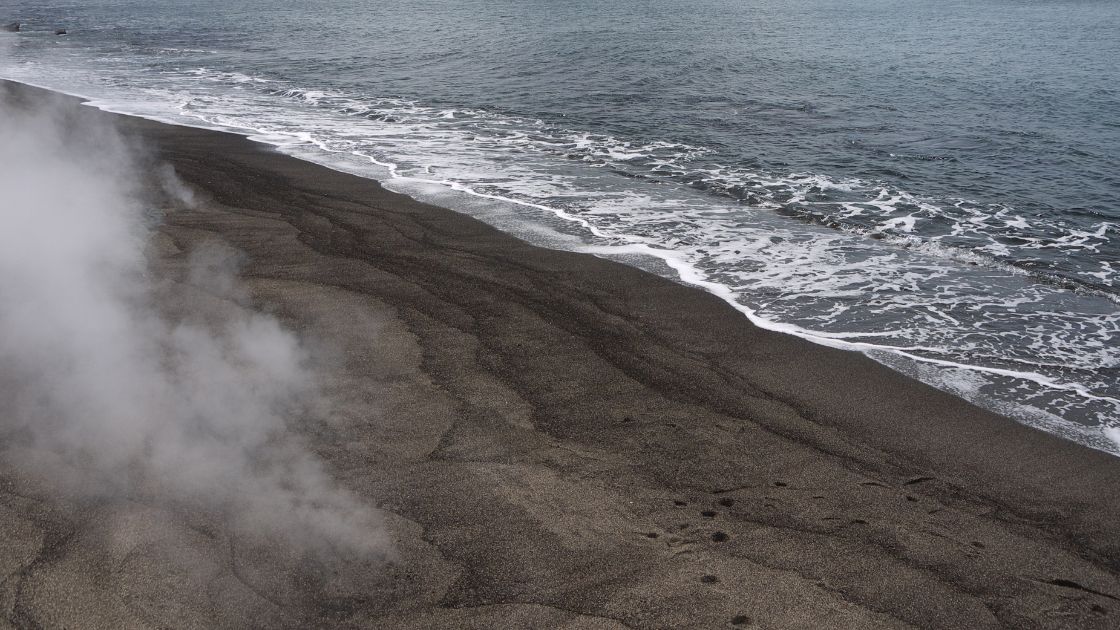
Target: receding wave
x=963, y=229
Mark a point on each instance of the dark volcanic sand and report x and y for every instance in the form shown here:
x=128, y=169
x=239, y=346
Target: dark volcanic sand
x=560, y=441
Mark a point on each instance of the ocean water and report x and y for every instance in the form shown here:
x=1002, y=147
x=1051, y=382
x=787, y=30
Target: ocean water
x=936, y=184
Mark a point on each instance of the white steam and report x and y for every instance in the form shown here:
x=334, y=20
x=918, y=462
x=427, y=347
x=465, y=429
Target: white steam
x=115, y=381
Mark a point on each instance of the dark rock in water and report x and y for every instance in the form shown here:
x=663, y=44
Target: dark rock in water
x=59, y=31
x=12, y=27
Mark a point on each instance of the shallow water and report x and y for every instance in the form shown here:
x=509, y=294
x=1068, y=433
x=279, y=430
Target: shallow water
x=936, y=184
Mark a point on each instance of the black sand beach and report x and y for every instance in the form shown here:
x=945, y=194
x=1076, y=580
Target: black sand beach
x=561, y=441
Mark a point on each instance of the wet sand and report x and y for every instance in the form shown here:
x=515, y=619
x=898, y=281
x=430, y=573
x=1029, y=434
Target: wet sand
x=561, y=441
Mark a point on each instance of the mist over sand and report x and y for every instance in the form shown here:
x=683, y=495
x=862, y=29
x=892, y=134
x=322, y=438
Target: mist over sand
x=113, y=387
x=552, y=440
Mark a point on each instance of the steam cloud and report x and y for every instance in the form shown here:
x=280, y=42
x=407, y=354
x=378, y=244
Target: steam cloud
x=113, y=393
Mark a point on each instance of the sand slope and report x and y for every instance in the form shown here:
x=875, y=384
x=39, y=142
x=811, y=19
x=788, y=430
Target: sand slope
x=558, y=441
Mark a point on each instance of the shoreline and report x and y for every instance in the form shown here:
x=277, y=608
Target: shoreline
x=545, y=411
x=938, y=372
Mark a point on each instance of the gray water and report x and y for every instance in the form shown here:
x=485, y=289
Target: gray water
x=934, y=183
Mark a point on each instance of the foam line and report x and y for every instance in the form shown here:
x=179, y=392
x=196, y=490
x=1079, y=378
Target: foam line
x=692, y=276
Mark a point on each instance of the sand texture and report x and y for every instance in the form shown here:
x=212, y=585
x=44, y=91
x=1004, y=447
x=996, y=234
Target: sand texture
x=560, y=441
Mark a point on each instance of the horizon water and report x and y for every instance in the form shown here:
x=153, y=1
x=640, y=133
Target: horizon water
x=937, y=186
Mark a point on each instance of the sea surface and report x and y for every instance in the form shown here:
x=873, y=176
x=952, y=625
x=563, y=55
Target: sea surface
x=936, y=184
